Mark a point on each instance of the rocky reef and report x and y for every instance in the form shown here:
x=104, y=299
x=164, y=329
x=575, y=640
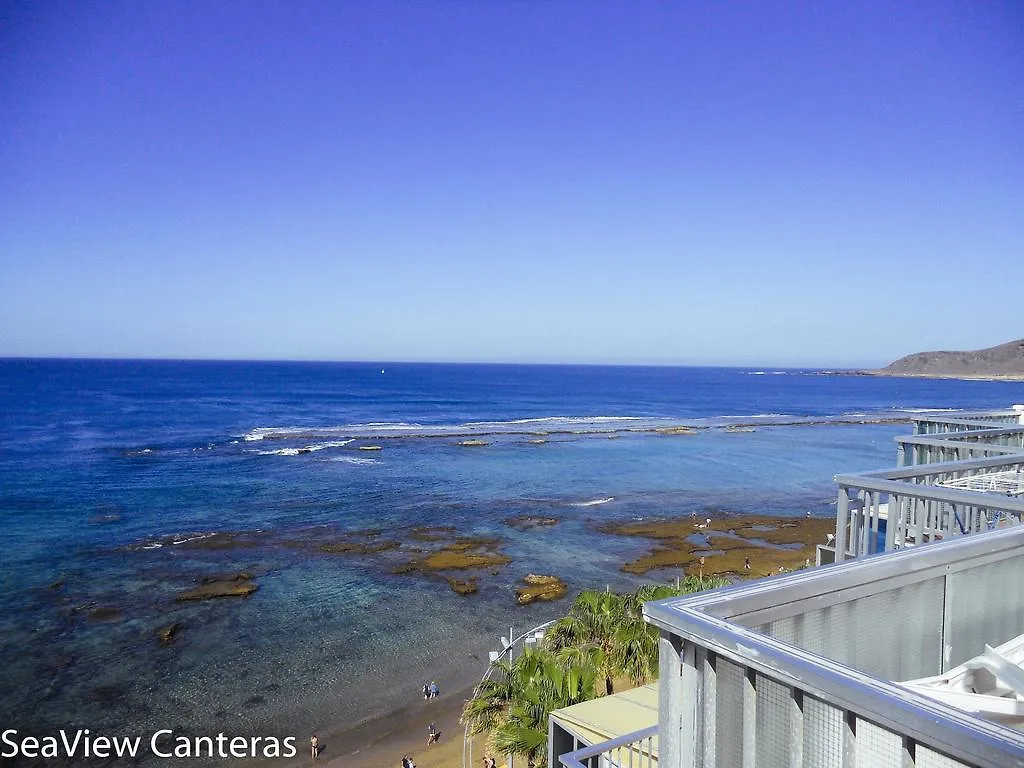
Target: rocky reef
x=463, y=554
x=676, y=431
x=104, y=614
x=459, y=587
x=361, y=542
x=727, y=544
x=167, y=634
x=237, y=585
x=432, y=533
x=540, y=588
x=529, y=522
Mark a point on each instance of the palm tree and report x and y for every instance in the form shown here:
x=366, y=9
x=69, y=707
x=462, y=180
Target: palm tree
x=636, y=641
x=603, y=637
x=588, y=631
x=513, y=704
x=608, y=631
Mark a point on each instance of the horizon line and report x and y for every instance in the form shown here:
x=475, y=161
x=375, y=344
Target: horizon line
x=91, y=358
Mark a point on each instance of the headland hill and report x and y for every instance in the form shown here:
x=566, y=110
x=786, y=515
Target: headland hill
x=1003, y=362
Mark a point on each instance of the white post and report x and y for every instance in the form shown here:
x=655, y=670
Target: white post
x=511, y=642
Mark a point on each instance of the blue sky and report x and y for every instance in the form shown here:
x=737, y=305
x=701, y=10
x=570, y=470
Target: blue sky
x=687, y=183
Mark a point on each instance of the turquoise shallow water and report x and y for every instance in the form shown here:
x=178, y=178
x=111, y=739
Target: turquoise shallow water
x=103, y=461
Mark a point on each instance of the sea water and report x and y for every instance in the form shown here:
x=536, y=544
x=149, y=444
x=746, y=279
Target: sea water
x=111, y=470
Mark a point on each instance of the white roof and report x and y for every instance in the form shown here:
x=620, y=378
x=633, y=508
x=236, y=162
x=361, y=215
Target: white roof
x=612, y=716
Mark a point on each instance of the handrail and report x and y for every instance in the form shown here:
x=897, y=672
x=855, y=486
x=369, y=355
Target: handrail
x=932, y=492
x=575, y=759
x=710, y=621
x=927, y=721
x=897, y=473
x=942, y=442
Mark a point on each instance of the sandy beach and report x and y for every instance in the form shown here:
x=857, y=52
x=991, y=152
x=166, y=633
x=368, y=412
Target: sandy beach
x=381, y=742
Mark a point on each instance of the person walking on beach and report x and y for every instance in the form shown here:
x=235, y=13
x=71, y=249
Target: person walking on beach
x=434, y=690
x=426, y=691
x=314, y=745
x=433, y=735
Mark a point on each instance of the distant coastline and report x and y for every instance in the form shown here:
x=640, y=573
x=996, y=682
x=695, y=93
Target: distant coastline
x=958, y=376
x=1004, y=362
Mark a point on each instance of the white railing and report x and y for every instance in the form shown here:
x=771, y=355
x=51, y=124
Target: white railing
x=931, y=496
x=633, y=750
x=798, y=670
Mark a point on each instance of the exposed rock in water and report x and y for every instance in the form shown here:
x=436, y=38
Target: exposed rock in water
x=448, y=559
x=239, y=585
x=168, y=633
x=474, y=442
x=540, y=588
x=210, y=540
x=459, y=587
x=110, y=517
x=432, y=532
x=526, y=522
x=534, y=579
x=105, y=613
x=357, y=547
x=240, y=576
x=460, y=554
x=371, y=448
x=676, y=431
x=736, y=545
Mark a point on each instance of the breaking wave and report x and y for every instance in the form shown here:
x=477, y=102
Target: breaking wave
x=592, y=502
x=305, y=449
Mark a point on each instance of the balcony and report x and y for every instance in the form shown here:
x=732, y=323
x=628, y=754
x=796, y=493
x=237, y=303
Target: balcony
x=799, y=670
x=804, y=669
x=957, y=475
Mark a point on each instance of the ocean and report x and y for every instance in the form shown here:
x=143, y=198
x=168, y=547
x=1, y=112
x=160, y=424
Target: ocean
x=124, y=483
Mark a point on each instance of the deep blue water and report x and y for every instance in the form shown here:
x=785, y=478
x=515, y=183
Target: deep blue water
x=104, y=465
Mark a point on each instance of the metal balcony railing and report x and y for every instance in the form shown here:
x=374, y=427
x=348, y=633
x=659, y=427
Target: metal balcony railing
x=798, y=670
x=944, y=486
x=633, y=750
